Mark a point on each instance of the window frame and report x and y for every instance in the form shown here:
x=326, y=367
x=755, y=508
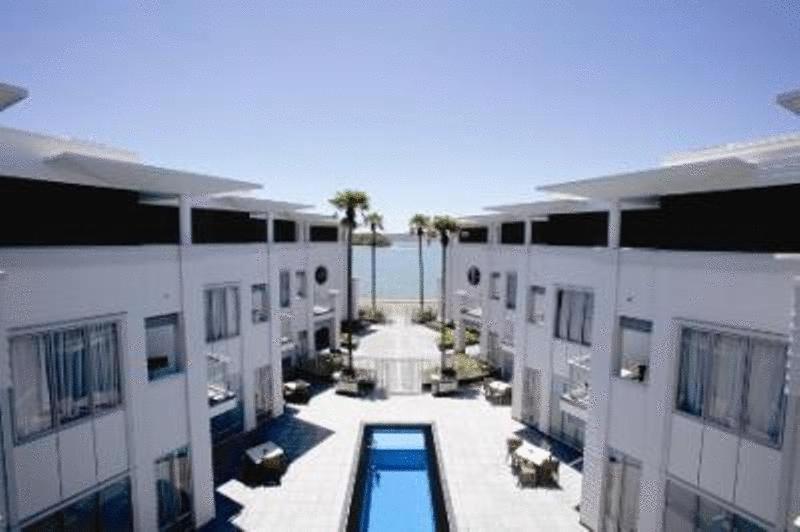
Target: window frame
x=187, y=516
x=536, y=293
x=284, y=274
x=702, y=496
x=616, y=368
x=56, y=425
x=511, y=302
x=741, y=430
x=494, y=286
x=587, y=294
x=180, y=357
x=260, y=315
x=301, y=280
x=226, y=288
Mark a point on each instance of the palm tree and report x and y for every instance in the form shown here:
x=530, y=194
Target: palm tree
x=419, y=225
x=375, y=222
x=350, y=201
x=443, y=227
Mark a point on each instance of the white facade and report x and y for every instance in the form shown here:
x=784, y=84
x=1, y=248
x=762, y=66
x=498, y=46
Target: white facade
x=627, y=418
x=48, y=288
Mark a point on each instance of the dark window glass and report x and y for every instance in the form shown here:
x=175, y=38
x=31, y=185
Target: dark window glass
x=321, y=274
x=324, y=233
x=284, y=231
x=512, y=233
x=474, y=235
x=474, y=276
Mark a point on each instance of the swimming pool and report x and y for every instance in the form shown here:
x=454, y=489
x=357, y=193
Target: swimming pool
x=397, y=486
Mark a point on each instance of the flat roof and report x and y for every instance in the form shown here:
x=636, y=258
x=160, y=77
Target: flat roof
x=704, y=176
x=11, y=94
x=143, y=177
x=250, y=204
x=545, y=207
x=790, y=101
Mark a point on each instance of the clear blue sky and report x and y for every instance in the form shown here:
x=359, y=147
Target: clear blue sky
x=436, y=107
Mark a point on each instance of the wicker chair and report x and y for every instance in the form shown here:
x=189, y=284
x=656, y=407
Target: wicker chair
x=512, y=444
x=550, y=470
x=526, y=475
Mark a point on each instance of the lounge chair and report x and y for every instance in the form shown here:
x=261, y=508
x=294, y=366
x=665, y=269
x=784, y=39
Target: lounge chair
x=550, y=470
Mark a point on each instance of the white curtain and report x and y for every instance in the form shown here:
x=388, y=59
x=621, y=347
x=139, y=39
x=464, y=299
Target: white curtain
x=764, y=414
x=562, y=327
x=32, y=413
x=284, y=288
x=695, y=349
x=511, y=290
x=215, y=314
x=576, y=309
x=68, y=348
x=727, y=379
x=232, y=311
x=103, y=348
x=629, y=505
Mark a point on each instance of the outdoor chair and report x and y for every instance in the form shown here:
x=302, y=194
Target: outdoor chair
x=526, y=475
x=550, y=470
x=512, y=444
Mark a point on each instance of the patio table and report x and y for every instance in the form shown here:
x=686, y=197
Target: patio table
x=532, y=455
x=266, y=461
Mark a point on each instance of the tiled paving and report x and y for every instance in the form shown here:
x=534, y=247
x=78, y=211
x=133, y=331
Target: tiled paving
x=320, y=441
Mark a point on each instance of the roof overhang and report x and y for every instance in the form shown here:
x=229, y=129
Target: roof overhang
x=11, y=94
x=145, y=178
x=705, y=176
x=790, y=101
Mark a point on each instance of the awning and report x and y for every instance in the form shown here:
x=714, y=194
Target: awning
x=145, y=178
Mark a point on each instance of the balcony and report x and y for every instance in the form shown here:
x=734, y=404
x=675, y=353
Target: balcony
x=286, y=333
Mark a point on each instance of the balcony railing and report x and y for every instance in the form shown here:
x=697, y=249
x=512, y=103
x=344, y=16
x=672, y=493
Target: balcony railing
x=324, y=303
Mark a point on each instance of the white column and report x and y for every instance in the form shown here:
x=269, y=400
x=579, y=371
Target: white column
x=337, y=318
x=614, y=225
x=791, y=507
x=185, y=219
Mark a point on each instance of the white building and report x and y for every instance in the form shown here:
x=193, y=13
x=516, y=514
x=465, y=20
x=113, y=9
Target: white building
x=647, y=320
x=144, y=313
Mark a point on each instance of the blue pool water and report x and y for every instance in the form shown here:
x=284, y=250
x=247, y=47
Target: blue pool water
x=398, y=491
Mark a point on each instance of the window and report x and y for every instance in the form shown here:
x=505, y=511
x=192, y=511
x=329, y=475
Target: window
x=494, y=285
x=300, y=278
x=260, y=297
x=321, y=274
x=474, y=276
x=284, y=231
x=512, y=233
x=574, y=316
x=474, y=235
x=174, y=491
x=733, y=380
x=222, y=313
x=686, y=510
x=106, y=509
x=302, y=344
x=63, y=375
x=162, y=341
x=511, y=290
x=623, y=478
x=536, y=304
x=633, y=351
x=285, y=289
x=324, y=233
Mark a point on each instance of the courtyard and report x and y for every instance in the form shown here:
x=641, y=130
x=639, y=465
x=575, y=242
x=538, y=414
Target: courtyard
x=320, y=441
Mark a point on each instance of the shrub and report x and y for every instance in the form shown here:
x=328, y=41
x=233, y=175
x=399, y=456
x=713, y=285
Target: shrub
x=425, y=315
x=376, y=316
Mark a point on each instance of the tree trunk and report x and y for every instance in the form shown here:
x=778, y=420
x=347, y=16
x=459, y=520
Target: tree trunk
x=374, y=243
x=350, y=294
x=443, y=299
x=421, y=276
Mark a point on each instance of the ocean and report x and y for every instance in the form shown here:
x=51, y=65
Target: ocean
x=398, y=270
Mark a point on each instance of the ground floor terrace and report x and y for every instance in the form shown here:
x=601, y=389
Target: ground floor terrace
x=320, y=440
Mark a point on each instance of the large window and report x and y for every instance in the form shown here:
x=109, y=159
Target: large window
x=536, y=304
x=623, y=476
x=686, y=510
x=574, y=314
x=174, y=490
x=222, y=313
x=734, y=380
x=285, y=288
x=260, y=300
x=633, y=351
x=162, y=344
x=106, y=509
x=511, y=290
x=62, y=375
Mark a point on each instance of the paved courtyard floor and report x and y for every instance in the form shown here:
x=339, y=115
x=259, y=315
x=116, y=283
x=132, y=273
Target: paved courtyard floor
x=320, y=441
